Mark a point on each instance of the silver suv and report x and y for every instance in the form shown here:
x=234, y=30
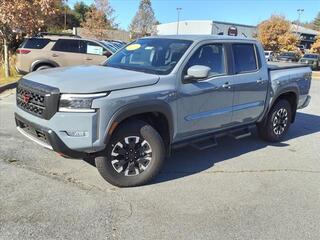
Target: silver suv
x=59, y=50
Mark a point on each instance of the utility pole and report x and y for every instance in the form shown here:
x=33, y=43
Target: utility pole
x=178, y=22
x=65, y=14
x=6, y=56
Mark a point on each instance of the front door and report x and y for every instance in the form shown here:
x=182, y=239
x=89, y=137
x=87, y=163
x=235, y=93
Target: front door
x=207, y=104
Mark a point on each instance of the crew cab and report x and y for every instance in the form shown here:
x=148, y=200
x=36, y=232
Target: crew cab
x=156, y=94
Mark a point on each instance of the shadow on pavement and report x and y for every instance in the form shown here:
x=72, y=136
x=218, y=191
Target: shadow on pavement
x=187, y=161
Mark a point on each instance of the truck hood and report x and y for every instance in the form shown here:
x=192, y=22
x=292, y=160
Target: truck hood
x=91, y=79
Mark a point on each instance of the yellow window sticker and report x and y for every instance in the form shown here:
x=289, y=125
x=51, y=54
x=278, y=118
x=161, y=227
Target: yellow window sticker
x=133, y=47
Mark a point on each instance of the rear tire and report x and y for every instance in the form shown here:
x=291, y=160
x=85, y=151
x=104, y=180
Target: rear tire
x=134, y=155
x=277, y=122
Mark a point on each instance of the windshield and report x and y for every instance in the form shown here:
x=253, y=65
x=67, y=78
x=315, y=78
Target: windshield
x=287, y=54
x=310, y=56
x=150, y=55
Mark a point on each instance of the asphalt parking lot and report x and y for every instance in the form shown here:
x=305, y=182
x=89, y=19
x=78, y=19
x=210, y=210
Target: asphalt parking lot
x=241, y=189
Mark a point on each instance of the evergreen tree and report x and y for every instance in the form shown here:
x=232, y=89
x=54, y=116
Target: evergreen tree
x=143, y=23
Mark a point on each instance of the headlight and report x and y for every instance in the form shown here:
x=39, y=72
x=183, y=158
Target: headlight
x=78, y=102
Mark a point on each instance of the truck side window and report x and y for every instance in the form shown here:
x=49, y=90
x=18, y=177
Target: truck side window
x=212, y=56
x=245, y=59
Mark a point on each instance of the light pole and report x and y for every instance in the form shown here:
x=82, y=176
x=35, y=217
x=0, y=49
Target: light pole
x=300, y=11
x=178, y=22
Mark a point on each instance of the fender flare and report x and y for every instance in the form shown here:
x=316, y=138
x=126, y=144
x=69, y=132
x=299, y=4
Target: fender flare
x=273, y=99
x=288, y=89
x=42, y=61
x=132, y=109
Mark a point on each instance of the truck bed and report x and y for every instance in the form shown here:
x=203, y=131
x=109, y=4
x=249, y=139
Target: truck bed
x=284, y=65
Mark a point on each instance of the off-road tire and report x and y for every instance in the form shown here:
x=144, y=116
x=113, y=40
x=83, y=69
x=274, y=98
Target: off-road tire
x=267, y=129
x=127, y=130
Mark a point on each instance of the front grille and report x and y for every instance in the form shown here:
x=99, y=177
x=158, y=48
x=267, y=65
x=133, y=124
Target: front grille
x=37, y=99
x=30, y=101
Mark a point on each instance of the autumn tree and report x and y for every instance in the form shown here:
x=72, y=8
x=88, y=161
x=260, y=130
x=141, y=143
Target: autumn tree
x=80, y=10
x=99, y=18
x=315, y=48
x=56, y=22
x=275, y=35
x=23, y=17
x=143, y=23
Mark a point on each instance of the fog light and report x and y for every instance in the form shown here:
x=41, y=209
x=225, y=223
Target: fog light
x=77, y=133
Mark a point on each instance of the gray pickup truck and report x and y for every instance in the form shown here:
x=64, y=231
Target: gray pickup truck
x=156, y=94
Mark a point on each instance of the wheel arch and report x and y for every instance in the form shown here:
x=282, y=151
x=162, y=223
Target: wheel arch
x=40, y=62
x=156, y=113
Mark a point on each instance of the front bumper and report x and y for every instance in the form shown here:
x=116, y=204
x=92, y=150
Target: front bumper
x=47, y=138
x=305, y=102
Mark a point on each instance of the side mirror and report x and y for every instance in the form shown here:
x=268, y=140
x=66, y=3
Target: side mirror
x=107, y=54
x=197, y=72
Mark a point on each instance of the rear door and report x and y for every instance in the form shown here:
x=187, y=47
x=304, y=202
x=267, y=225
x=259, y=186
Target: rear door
x=250, y=83
x=67, y=52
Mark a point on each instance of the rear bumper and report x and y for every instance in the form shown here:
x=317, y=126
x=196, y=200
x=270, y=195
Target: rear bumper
x=20, y=71
x=47, y=138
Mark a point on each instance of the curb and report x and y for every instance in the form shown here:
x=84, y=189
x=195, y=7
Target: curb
x=8, y=86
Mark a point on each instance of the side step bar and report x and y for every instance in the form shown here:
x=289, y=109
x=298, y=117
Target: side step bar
x=204, y=143
x=241, y=133
x=208, y=141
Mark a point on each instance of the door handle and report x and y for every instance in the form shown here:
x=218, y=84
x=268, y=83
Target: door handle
x=55, y=55
x=226, y=85
x=88, y=58
x=260, y=81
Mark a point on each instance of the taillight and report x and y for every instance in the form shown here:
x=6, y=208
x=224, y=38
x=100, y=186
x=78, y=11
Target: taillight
x=22, y=51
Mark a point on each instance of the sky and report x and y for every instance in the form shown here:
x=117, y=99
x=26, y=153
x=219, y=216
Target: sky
x=249, y=12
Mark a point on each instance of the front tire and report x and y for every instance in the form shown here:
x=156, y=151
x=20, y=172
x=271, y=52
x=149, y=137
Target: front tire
x=277, y=122
x=134, y=155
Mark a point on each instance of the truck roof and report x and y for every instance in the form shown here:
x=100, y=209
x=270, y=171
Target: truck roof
x=194, y=37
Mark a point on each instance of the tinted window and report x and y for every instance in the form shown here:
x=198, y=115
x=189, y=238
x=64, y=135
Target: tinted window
x=244, y=58
x=211, y=56
x=310, y=56
x=67, y=45
x=35, y=43
x=151, y=55
x=290, y=54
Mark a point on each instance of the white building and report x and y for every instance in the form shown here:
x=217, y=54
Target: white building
x=206, y=27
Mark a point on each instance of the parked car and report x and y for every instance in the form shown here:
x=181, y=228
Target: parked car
x=288, y=57
x=111, y=46
x=59, y=50
x=313, y=60
x=156, y=94
x=270, y=56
